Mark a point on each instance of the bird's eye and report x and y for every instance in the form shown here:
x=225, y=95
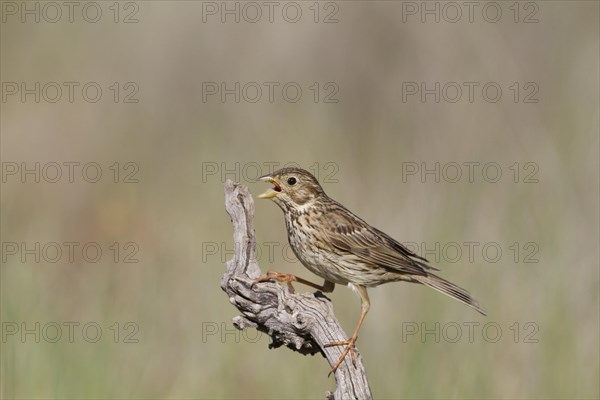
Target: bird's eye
x=291, y=181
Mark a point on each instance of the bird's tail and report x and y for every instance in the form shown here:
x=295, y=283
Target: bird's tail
x=450, y=289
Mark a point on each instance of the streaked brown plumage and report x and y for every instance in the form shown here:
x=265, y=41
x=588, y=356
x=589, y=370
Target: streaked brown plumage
x=338, y=246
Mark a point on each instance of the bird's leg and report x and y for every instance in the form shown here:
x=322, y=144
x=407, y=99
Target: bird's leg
x=350, y=343
x=327, y=287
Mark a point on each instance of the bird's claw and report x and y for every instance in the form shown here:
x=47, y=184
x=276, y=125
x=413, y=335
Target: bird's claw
x=350, y=348
x=278, y=277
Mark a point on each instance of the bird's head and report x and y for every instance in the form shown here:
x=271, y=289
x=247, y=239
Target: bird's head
x=292, y=188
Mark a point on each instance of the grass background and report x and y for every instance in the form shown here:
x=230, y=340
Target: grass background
x=176, y=216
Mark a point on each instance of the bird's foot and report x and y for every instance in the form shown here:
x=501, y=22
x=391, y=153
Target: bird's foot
x=279, y=277
x=350, y=348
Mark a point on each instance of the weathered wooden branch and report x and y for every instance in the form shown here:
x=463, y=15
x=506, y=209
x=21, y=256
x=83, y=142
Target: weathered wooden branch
x=304, y=322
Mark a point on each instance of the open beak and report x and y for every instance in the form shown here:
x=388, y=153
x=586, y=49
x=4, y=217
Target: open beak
x=274, y=191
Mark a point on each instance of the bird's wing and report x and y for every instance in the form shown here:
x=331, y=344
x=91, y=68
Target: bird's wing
x=349, y=233
x=399, y=247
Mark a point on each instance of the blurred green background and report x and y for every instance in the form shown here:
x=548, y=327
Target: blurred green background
x=173, y=222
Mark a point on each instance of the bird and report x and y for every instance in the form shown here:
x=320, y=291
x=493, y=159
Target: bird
x=340, y=247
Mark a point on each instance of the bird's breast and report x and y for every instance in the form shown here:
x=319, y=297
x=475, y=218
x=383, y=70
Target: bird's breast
x=308, y=245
